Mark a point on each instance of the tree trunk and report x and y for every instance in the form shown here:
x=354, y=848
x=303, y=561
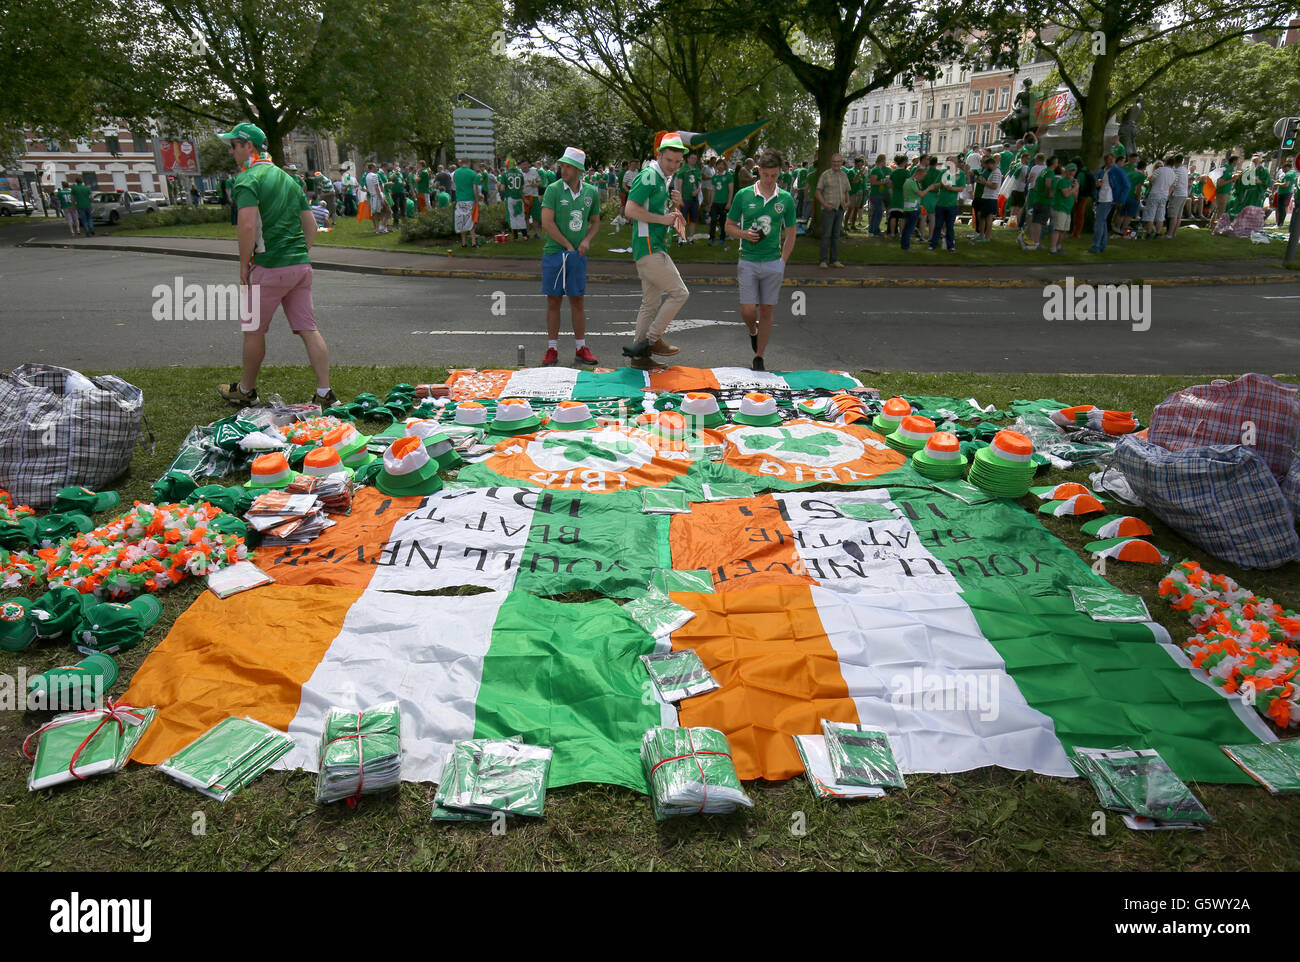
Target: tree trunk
x=1096, y=108
x=831, y=108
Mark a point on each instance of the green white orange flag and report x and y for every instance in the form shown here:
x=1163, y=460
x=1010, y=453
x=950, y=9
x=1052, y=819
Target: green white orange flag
x=467, y=384
x=489, y=665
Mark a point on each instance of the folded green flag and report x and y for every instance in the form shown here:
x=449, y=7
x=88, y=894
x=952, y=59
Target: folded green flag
x=860, y=755
x=495, y=775
x=679, y=674
x=78, y=745
x=227, y=757
x=690, y=772
x=360, y=753
x=1276, y=766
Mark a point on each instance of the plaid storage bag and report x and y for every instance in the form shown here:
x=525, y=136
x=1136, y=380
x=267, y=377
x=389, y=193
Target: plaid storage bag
x=1253, y=410
x=59, y=428
x=1221, y=497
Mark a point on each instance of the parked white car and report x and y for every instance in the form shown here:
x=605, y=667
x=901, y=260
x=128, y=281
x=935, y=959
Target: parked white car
x=159, y=200
x=108, y=206
x=10, y=205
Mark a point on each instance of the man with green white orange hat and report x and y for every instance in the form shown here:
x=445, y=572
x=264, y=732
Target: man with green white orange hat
x=276, y=232
x=570, y=220
x=653, y=209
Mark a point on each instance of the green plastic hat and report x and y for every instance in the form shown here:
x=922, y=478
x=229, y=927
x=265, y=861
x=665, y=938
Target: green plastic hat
x=513, y=416
x=702, y=409
x=911, y=434
x=758, y=410
x=349, y=443
x=174, y=486
x=59, y=610
x=111, y=627
x=17, y=533
x=56, y=527
x=56, y=688
x=17, y=629
x=437, y=442
x=84, y=500
x=230, y=500
x=368, y=472
x=246, y=131
x=408, y=470
x=271, y=472
x=941, y=457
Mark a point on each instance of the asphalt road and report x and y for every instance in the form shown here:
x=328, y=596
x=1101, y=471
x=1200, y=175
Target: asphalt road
x=95, y=310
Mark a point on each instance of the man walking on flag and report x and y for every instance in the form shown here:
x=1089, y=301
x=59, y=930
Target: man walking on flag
x=570, y=219
x=662, y=290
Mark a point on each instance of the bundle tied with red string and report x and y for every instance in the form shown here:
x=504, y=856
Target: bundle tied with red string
x=147, y=549
x=75, y=746
x=1249, y=646
x=690, y=771
x=360, y=753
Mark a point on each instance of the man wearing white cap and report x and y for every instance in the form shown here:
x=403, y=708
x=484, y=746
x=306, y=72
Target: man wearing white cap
x=662, y=290
x=570, y=218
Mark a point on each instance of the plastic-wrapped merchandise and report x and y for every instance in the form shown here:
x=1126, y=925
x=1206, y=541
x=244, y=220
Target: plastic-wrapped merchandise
x=360, y=753
x=821, y=776
x=75, y=746
x=657, y=613
x=1276, y=765
x=689, y=771
x=679, y=674
x=664, y=501
x=485, y=776
x=450, y=777
x=681, y=579
x=1145, y=786
x=227, y=757
x=1109, y=604
x=861, y=755
x=724, y=491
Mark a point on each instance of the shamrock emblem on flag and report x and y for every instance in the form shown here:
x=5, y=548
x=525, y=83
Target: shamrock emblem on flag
x=819, y=444
x=578, y=450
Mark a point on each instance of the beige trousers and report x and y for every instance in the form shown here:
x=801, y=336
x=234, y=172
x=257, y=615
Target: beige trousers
x=662, y=295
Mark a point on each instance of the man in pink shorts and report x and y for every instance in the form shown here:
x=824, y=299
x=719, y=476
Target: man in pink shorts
x=276, y=231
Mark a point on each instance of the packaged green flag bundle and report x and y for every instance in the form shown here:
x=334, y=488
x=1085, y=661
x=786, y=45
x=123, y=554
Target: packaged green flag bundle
x=227, y=757
x=1140, y=784
x=726, y=491
x=75, y=746
x=1276, y=765
x=663, y=501
x=360, y=753
x=657, y=613
x=821, y=776
x=689, y=771
x=679, y=674
x=484, y=776
x=860, y=755
x=682, y=579
x=1108, y=604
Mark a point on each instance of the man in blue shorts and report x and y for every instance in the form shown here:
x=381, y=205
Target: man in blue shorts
x=570, y=219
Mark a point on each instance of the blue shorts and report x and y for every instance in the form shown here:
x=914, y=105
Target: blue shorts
x=564, y=274
x=691, y=210
x=1131, y=206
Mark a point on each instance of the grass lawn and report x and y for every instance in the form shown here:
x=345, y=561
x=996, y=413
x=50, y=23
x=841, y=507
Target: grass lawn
x=987, y=819
x=855, y=248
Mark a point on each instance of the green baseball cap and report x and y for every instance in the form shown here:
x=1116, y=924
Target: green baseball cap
x=246, y=131
x=234, y=500
x=174, y=486
x=17, y=533
x=17, y=629
x=111, y=627
x=56, y=527
x=84, y=500
x=59, y=610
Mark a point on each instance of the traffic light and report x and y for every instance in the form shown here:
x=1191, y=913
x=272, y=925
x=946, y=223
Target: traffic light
x=1289, y=134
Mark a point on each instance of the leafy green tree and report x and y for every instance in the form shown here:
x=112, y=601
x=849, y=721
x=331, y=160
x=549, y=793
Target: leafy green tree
x=1109, y=52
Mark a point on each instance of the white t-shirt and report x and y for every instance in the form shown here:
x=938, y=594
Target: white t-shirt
x=1181, y=177
x=532, y=180
x=1104, y=193
x=994, y=177
x=629, y=178
x=707, y=183
x=1162, y=181
x=372, y=188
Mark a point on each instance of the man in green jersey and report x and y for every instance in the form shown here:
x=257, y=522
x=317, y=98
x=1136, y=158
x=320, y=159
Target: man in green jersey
x=723, y=190
x=85, y=210
x=276, y=232
x=467, y=182
x=423, y=182
x=1064, y=190
x=762, y=218
x=691, y=180
x=69, y=209
x=652, y=208
x=570, y=219
x=1286, y=181
x=512, y=190
x=878, y=191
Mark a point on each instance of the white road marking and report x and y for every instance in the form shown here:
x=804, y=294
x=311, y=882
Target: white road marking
x=681, y=324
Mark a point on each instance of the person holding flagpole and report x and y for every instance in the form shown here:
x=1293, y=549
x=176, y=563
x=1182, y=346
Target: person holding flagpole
x=653, y=209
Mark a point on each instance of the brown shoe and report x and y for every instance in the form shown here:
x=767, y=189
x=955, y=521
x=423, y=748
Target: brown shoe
x=663, y=348
x=644, y=364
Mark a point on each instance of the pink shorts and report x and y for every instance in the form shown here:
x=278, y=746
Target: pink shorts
x=288, y=287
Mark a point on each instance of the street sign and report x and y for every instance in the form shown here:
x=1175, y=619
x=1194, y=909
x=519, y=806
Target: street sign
x=474, y=132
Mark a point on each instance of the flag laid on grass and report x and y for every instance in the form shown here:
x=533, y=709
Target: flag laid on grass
x=480, y=666
x=802, y=453
x=958, y=680
x=895, y=539
x=585, y=385
x=543, y=542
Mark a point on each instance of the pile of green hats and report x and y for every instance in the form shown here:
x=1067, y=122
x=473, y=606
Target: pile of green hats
x=17, y=627
x=57, y=613
x=816, y=408
x=233, y=500
x=911, y=434
x=941, y=458
x=436, y=441
x=895, y=409
x=173, y=487
x=1006, y=467
x=349, y=443
x=111, y=627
